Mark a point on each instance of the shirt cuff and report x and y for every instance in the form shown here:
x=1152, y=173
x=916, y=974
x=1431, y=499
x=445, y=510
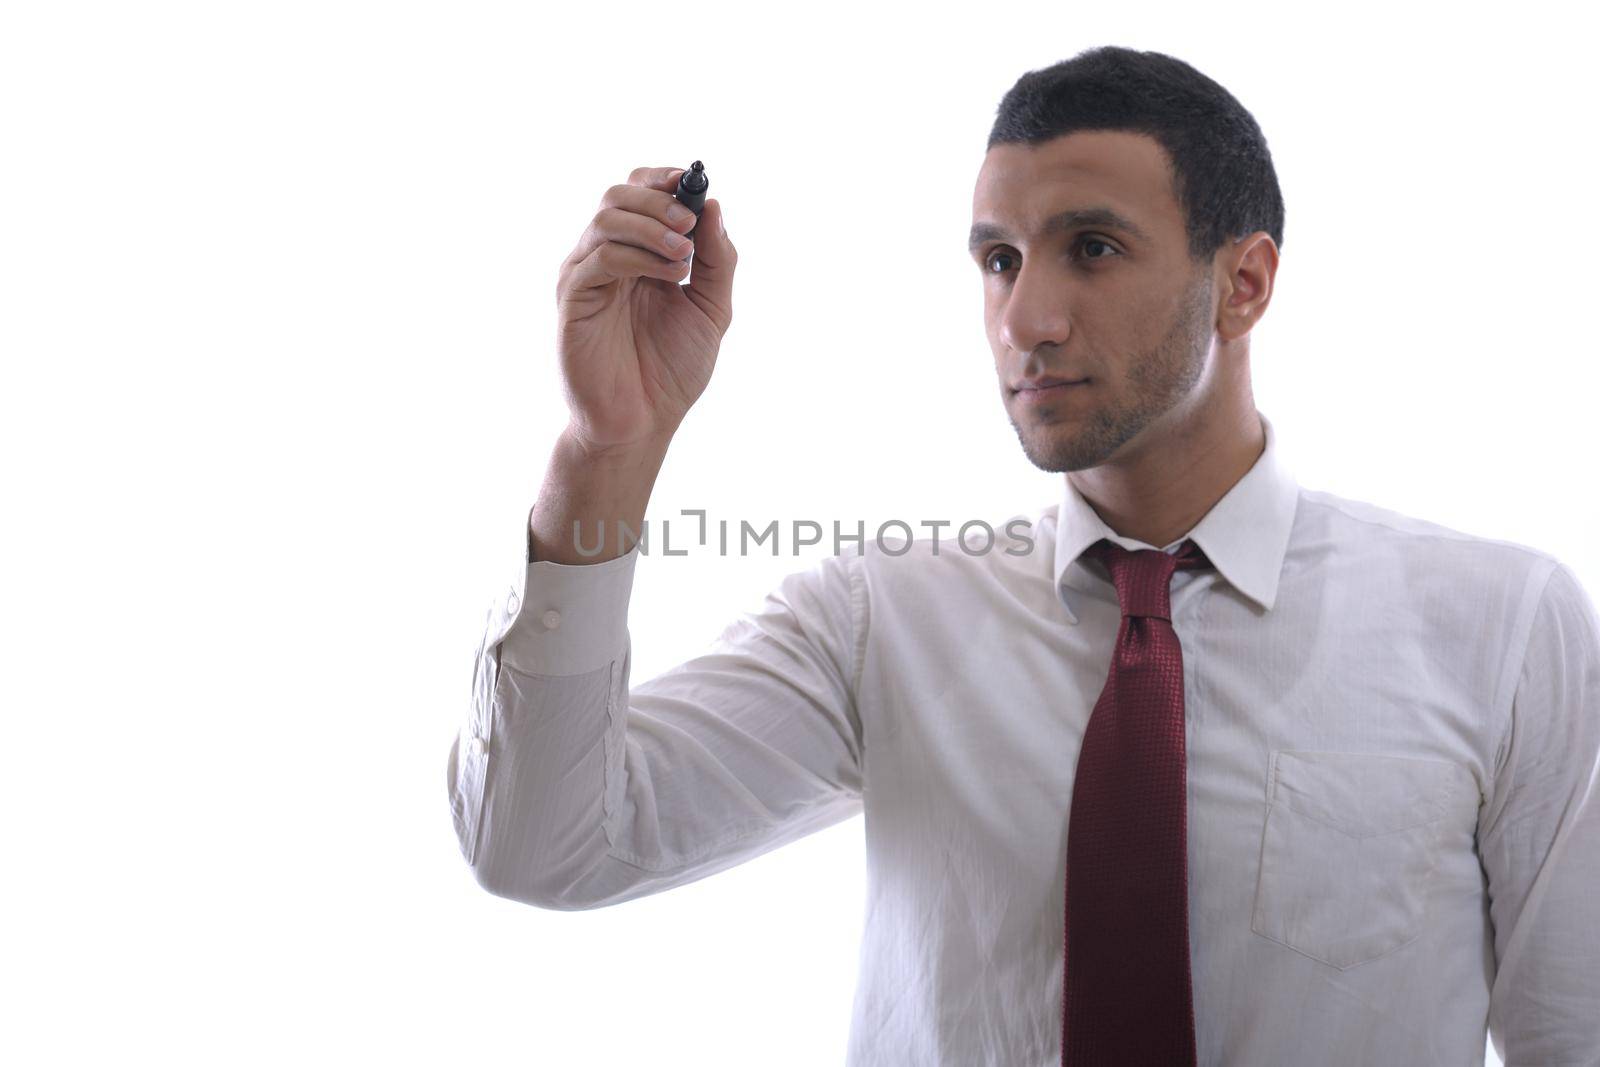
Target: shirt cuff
x=570, y=618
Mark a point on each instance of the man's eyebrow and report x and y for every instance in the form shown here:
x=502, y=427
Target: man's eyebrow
x=1067, y=220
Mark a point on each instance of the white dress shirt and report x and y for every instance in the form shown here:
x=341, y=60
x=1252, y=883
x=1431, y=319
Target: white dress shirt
x=1393, y=735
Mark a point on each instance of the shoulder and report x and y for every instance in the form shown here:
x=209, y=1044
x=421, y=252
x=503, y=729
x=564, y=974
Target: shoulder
x=1414, y=555
x=917, y=562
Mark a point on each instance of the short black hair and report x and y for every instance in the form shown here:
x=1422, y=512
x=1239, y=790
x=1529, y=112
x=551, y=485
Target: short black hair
x=1223, y=176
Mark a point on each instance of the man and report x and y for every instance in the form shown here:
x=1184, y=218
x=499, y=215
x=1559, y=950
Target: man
x=1197, y=766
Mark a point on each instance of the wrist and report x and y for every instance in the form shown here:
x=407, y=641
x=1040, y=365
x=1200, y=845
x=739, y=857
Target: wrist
x=622, y=454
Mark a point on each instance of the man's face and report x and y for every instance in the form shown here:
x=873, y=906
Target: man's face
x=1109, y=299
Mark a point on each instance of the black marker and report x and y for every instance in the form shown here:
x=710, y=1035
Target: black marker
x=692, y=186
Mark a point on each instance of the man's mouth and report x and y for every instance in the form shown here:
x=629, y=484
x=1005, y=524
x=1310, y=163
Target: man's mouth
x=1046, y=389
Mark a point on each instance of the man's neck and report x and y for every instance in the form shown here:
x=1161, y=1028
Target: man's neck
x=1157, y=498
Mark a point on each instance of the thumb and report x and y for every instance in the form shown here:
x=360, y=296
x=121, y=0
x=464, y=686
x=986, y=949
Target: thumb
x=711, y=278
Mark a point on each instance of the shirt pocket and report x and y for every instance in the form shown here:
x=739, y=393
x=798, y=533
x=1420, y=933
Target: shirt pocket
x=1348, y=852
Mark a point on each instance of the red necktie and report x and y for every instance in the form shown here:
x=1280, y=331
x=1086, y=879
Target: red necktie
x=1126, y=994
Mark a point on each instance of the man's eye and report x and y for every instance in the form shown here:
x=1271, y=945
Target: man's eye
x=1081, y=244
x=991, y=258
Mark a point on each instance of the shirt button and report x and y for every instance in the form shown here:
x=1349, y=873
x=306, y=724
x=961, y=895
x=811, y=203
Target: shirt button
x=479, y=746
x=511, y=604
x=552, y=619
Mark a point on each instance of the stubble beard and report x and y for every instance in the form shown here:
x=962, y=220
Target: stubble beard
x=1158, y=380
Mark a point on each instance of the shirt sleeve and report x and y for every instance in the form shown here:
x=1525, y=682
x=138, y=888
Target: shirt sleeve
x=570, y=790
x=1539, y=841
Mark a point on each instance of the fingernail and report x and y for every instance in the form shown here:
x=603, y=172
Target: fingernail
x=678, y=213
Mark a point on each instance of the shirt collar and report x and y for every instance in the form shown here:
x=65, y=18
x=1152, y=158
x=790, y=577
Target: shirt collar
x=1245, y=534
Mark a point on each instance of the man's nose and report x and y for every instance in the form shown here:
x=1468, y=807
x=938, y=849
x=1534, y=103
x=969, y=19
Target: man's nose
x=1035, y=312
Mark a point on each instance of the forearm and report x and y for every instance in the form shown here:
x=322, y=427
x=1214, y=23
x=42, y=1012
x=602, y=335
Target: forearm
x=592, y=791
x=585, y=494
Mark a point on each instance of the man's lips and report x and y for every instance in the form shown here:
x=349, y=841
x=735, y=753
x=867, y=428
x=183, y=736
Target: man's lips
x=1046, y=387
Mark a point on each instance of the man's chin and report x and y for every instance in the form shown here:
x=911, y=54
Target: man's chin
x=1060, y=448
x=1056, y=453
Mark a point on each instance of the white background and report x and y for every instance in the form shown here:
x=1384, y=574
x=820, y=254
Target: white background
x=278, y=321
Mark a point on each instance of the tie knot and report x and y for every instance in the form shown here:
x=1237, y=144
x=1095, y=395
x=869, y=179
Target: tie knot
x=1143, y=578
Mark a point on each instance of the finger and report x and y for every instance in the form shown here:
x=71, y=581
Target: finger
x=610, y=261
x=656, y=177
x=711, y=282
x=636, y=216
